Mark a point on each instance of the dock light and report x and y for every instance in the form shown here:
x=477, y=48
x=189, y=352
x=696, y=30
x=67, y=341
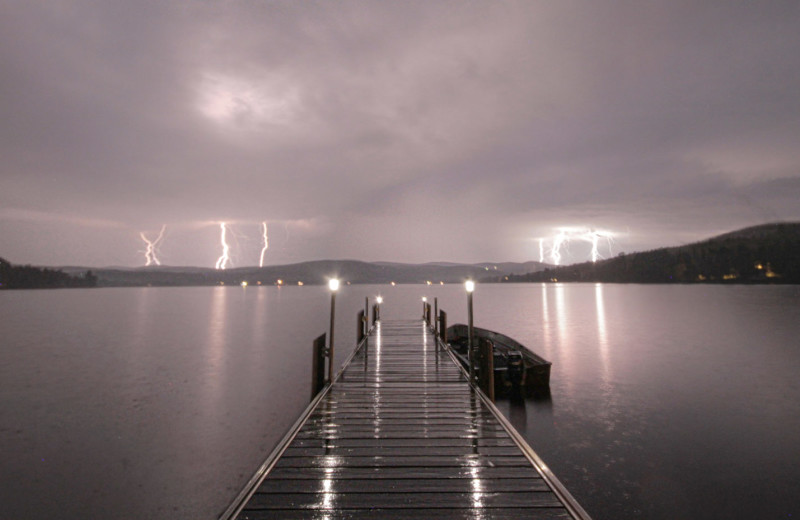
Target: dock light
x=377, y=310
x=333, y=285
x=469, y=285
x=244, y=283
x=424, y=305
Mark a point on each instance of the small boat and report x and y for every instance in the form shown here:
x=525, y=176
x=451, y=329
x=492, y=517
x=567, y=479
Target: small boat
x=517, y=370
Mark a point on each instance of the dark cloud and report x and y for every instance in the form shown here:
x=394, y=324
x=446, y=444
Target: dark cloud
x=371, y=129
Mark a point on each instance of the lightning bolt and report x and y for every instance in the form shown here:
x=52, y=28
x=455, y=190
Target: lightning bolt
x=565, y=235
x=266, y=244
x=594, y=237
x=558, y=241
x=223, y=260
x=150, y=253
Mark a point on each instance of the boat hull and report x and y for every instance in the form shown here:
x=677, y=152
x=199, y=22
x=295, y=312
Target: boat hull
x=535, y=374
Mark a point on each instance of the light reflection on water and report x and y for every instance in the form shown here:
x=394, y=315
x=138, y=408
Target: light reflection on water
x=666, y=401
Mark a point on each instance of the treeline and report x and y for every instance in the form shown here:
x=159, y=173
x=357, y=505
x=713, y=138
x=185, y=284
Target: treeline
x=29, y=277
x=763, y=254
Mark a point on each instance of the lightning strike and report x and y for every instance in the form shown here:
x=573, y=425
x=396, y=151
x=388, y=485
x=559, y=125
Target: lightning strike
x=565, y=235
x=594, y=237
x=222, y=261
x=266, y=244
x=152, y=247
x=558, y=241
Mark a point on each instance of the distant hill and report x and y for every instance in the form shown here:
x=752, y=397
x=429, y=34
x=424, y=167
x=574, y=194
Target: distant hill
x=768, y=253
x=29, y=277
x=309, y=273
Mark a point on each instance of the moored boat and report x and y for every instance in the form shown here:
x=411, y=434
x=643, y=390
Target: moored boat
x=516, y=368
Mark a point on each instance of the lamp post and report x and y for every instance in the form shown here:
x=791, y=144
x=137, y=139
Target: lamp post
x=424, y=304
x=470, y=287
x=333, y=285
x=379, y=299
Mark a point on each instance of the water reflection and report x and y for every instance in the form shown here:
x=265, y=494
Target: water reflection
x=546, y=327
x=566, y=351
x=602, y=331
x=215, y=348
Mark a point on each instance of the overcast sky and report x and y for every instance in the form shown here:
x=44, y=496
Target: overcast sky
x=396, y=131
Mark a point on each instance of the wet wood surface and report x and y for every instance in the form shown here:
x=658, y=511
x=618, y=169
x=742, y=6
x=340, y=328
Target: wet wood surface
x=402, y=435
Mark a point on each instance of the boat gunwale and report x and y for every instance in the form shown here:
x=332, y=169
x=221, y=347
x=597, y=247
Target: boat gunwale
x=506, y=341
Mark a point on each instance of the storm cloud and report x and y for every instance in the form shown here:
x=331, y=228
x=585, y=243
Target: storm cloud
x=402, y=131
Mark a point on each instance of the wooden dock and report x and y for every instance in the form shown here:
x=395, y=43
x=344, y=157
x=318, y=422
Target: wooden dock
x=401, y=434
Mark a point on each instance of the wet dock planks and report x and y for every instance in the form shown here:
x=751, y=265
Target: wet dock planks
x=402, y=435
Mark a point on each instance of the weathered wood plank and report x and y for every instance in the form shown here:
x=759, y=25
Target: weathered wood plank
x=421, y=450
x=416, y=485
x=470, y=460
x=463, y=513
x=332, y=501
x=402, y=473
x=402, y=442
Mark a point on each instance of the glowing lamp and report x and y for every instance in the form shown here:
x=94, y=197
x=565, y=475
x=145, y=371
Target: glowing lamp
x=333, y=284
x=469, y=285
x=379, y=299
x=424, y=299
x=244, y=283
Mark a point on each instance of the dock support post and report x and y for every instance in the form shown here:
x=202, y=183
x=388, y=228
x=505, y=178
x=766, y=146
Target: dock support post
x=436, y=316
x=318, y=366
x=470, y=286
x=443, y=326
x=361, y=325
x=333, y=285
x=487, y=368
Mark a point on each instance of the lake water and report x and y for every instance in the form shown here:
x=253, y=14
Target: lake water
x=666, y=401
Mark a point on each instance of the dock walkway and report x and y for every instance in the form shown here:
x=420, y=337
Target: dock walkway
x=401, y=434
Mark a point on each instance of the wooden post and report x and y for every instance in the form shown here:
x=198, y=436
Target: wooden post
x=443, y=326
x=374, y=313
x=471, y=339
x=330, y=343
x=361, y=333
x=366, y=314
x=436, y=316
x=318, y=366
x=428, y=314
x=487, y=368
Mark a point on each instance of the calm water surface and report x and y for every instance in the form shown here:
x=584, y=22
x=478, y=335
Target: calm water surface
x=666, y=402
